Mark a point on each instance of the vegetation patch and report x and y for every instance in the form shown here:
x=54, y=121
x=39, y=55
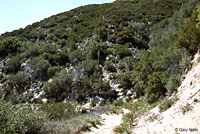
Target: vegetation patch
x=186, y=108
x=167, y=103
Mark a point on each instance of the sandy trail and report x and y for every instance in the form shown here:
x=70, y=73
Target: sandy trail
x=109, y=122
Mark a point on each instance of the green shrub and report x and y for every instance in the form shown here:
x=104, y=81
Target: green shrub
x=9, y=45
x=109, y=66
x=21, y=120
x=12, y=65
x=19, y=82
x=124, y=80
x=81, y=123
x=58, y=111
x=173, y=83
x=126, y=64
x=33, y=49
x=76, y=56
x=186, y=108
x=155, y=87
x=167, y=103
x=90, y=66
x=60, y=87
x=53, y=70
x=40, y=67
x=122, y=51
x=16, y=85
x=188, y=35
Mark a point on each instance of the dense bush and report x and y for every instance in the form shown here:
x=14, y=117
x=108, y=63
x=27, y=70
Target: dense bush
x=166, y=103
x=16, y=85
x=40, y=67
x=125, y=80
x=21, y=120
x=53, y=70
x=9, y=45
x=122, y=51
x=126, y=64
x=154, y=70
x=109, y=66
x=60, y=87
x=189, y=34
x=33, y=49
x=13, y=65
x=172, y=83
x=90, y=66
x=58, y=111
x=19, y=82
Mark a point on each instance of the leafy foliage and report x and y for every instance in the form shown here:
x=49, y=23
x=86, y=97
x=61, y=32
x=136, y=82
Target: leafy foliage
x=40, y=67
x=9, y=45
x=189, y=34
x=58, y=111
x=21, y=120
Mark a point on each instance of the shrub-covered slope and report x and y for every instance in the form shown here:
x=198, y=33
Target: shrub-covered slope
x=92, y=52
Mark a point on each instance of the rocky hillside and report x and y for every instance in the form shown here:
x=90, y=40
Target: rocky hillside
x=98, y=53
x=127, y=54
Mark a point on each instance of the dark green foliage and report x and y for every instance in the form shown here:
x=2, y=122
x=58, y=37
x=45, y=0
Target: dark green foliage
x=33, y=49
x=76, y=56
x=90, y=66
x=13, y=65
x=19, y=82
x=85, y=81
x=124, y=80
x=126, y=64
x=189, y=34
x=173, y=83
x=16, y=85
x=96, y=51
x=164, y=29
x=54, y=54
x=58, y=111
x=9, y=45
x=109, y=66
x=167, y=103
x=21, y=120
x=122, y=51
x=151, y=74
x=53, y=70
x=40, y=67
x=155, y=87
x=79, y=23
x=134, y=35
x=60, y=87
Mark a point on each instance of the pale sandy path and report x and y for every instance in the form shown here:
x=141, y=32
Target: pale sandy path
x=109, y=122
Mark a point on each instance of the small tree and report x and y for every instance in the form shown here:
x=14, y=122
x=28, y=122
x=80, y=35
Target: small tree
x=40, y=67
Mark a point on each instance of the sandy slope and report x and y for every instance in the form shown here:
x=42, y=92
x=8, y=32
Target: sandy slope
x=109, y=122
x=173, y=120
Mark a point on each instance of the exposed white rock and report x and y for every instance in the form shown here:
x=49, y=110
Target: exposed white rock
x=44, y=100
x=129, y=93
x=36, y=96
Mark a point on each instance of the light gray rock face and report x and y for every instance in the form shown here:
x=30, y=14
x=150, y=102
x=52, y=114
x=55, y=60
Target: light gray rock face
x=129, y=93
x=96, y=99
